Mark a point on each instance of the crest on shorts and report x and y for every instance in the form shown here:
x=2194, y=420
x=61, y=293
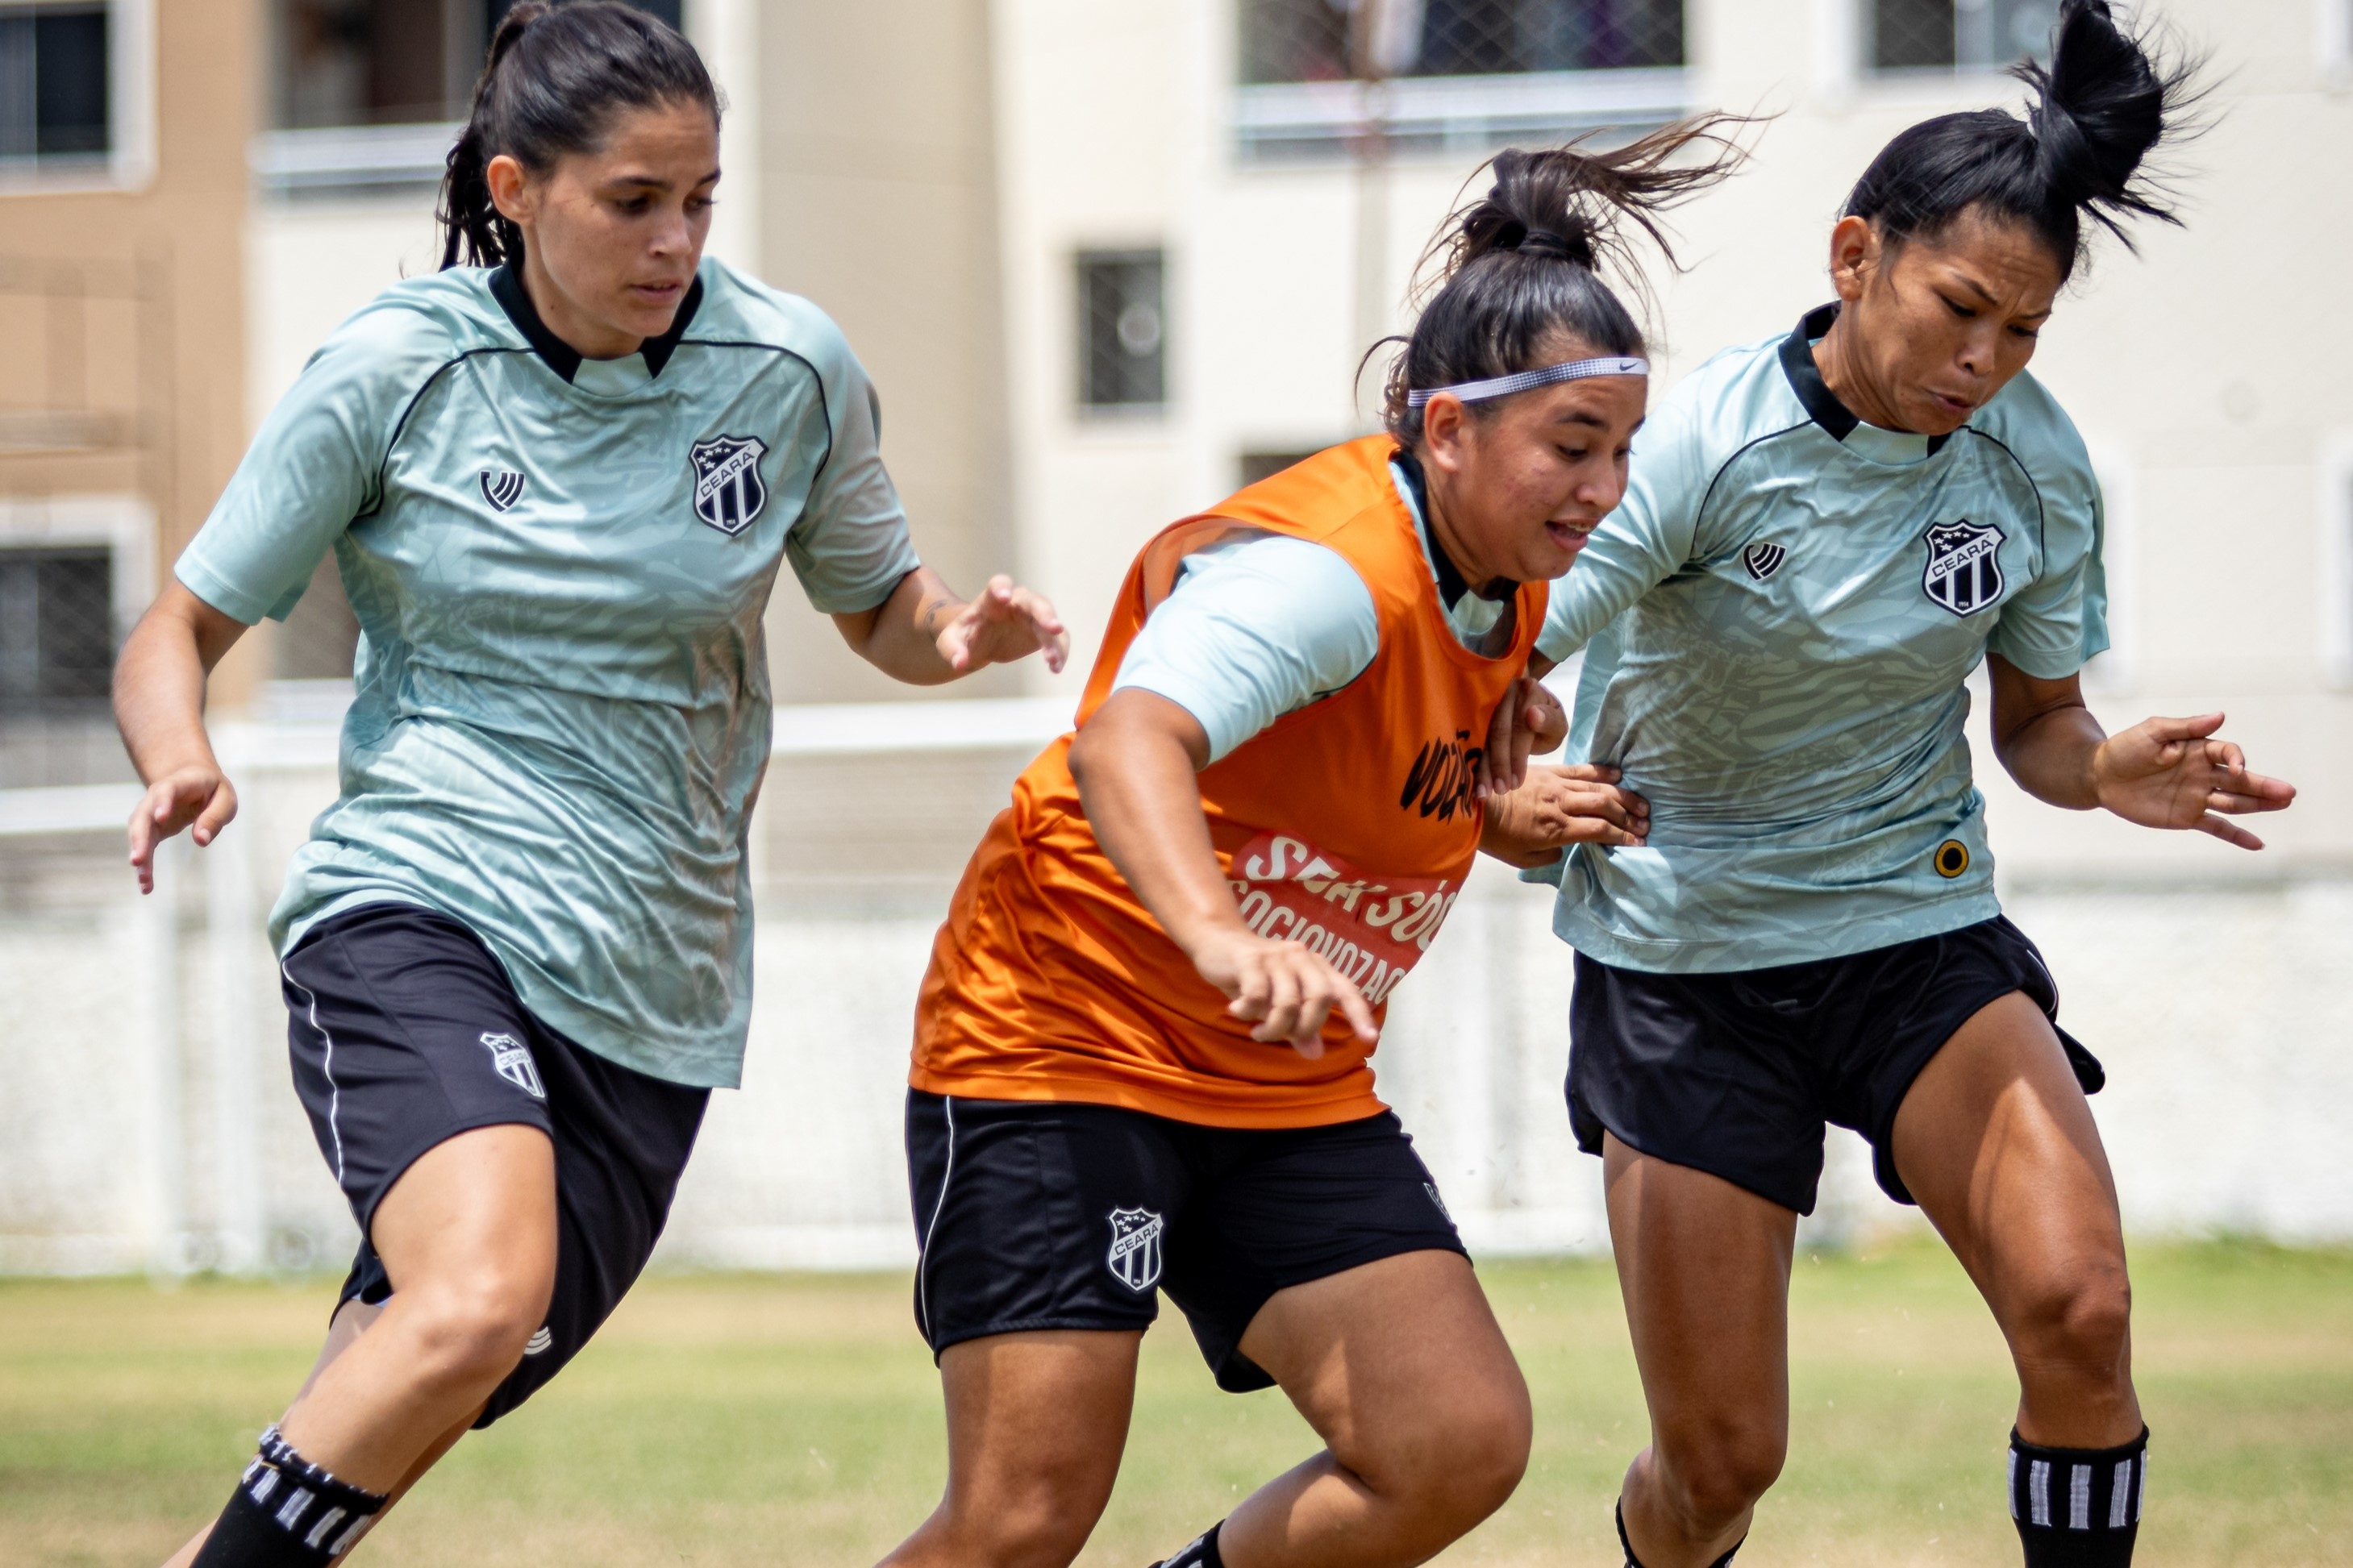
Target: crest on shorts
x=1135, y=1250
x=512, y=1059
x=1763, y=559
x=728, y=489
x=1964, y=573
x=502, y=488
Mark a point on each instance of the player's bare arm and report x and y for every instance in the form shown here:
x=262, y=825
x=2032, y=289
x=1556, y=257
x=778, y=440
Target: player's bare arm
x=924, y=634
x=159, y=706
x=1136, y=762
x=2161, y=772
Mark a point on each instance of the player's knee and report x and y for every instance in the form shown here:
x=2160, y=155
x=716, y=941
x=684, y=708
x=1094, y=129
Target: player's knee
x=1714, y=1477
x=2081, y=1321
x=474, y=1332
x=1455, y=1465
x=1042, y=1526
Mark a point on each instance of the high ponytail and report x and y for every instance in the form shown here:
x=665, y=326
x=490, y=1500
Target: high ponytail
x=556, y=75
x=2102, y=104
x=1518, y=270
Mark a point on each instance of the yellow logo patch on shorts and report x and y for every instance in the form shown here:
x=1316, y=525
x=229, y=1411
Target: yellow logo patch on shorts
x=1952, y=858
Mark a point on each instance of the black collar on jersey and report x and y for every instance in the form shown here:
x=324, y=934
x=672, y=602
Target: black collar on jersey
x=562, y=357
x=1451, y=585
x=1806, y=377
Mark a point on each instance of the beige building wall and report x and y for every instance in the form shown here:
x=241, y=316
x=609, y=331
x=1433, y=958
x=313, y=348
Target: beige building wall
x=123, y=360
x=2200, y=370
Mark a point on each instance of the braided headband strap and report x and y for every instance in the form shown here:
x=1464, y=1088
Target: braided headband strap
x=1504, y=385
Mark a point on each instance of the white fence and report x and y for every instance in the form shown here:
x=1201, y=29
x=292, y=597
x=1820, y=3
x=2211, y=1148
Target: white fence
x=145, y=1122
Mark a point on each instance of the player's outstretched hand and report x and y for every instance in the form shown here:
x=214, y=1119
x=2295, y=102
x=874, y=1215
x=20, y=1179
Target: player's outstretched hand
x=2173, y=772
x=1286, y=989
x=1529, y=721
x=196, y=795
x=1003, y=623
x=1557, y=807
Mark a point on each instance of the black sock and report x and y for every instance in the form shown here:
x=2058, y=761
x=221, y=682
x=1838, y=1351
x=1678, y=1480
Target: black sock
x=2077, y=1508
x=287, y=1512
x=1201, y=1551
x=1634, y=1562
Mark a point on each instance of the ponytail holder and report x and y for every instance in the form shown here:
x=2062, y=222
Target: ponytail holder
x=1504, y=385
x=1542, y=242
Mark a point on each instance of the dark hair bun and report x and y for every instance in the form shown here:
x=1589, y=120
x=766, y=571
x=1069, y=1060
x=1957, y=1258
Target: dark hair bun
x=2102, y=105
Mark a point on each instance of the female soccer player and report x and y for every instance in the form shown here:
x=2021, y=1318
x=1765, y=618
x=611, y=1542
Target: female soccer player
x=1824, y=533
x=1141, y=1051
x=558, y=481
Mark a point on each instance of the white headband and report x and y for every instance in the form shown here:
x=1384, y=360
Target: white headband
x=1504, y=385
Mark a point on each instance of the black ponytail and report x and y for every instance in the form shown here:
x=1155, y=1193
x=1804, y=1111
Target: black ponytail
x=1520, y=268
x=556, y=76
x=2102, y=105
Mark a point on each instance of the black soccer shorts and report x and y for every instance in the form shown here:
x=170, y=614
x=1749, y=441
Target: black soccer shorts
x=404, y=1032
x=1036, y=1214
x=1735, y=1073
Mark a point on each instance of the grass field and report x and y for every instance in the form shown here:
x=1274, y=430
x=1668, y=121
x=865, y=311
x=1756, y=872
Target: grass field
x=796, y=1421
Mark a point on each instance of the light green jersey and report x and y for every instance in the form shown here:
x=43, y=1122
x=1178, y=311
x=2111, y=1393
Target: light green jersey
x=1776, y=626
x=560, y=568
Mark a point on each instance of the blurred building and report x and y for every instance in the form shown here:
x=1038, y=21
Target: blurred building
x=1106, y=261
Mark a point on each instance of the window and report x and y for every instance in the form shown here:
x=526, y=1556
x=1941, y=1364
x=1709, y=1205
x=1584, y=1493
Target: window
x=1322, y=40
x=1123, y=337
x=1256, y=466
x=1314, y=74
x=1957, y=35
x=54, y=83
x=56, y=629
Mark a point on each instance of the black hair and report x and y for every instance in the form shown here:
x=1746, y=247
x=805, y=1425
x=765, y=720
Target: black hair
x=556, y=76
x=2105, y=99
x=1520, y=267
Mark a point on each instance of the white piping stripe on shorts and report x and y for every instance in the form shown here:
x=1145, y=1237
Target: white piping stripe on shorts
x=2079, y=1496
x=2037, y=1492
x=939, y=1206
x=2120, y=1495
x=327, y=1065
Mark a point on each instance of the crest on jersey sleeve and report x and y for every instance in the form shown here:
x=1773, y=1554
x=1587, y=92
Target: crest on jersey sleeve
x=728, y=489
x=1135, y=1248
x=1964, y=573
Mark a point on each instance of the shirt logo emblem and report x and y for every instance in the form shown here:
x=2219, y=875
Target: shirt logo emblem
x=1763, y=559
x=1135, y=1247
x=728, y=490
x=502, y=488
x=512, y=1060
x=1964, y=574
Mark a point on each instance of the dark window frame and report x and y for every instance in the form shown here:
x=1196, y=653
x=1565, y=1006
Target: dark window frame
x=57, y=632
x=68, y=118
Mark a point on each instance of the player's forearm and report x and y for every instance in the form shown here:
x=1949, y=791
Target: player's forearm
x=1140, y=789
x=901, y=636
x=2052, y=757
x=158, y=694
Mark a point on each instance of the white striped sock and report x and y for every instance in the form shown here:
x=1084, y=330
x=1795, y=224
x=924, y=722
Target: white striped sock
x=2079, y=1496
x=319, y=1530
x=2038, y=1491
x=2013, y=1483
x=265, y=1486
x=294, y=1506
x=2120, y=1495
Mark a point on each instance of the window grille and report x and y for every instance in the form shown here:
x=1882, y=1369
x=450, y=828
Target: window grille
x=1959, y=35
x=1122, y=333
x=1317, y=40
x=57, y=630
x=55, y=101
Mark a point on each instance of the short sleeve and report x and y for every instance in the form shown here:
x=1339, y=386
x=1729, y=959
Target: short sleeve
x=314, y=466
x=2053, y=626
x=850, y=546
x=1638, y=545
x=1254, y=629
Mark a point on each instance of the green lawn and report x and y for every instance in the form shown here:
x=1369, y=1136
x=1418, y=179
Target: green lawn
x=796, y=1421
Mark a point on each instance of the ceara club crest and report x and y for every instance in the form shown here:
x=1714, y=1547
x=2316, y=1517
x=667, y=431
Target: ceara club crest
x=512, y=1060
x=1135, y=1251
x=1964, y=573
x=728, y=489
